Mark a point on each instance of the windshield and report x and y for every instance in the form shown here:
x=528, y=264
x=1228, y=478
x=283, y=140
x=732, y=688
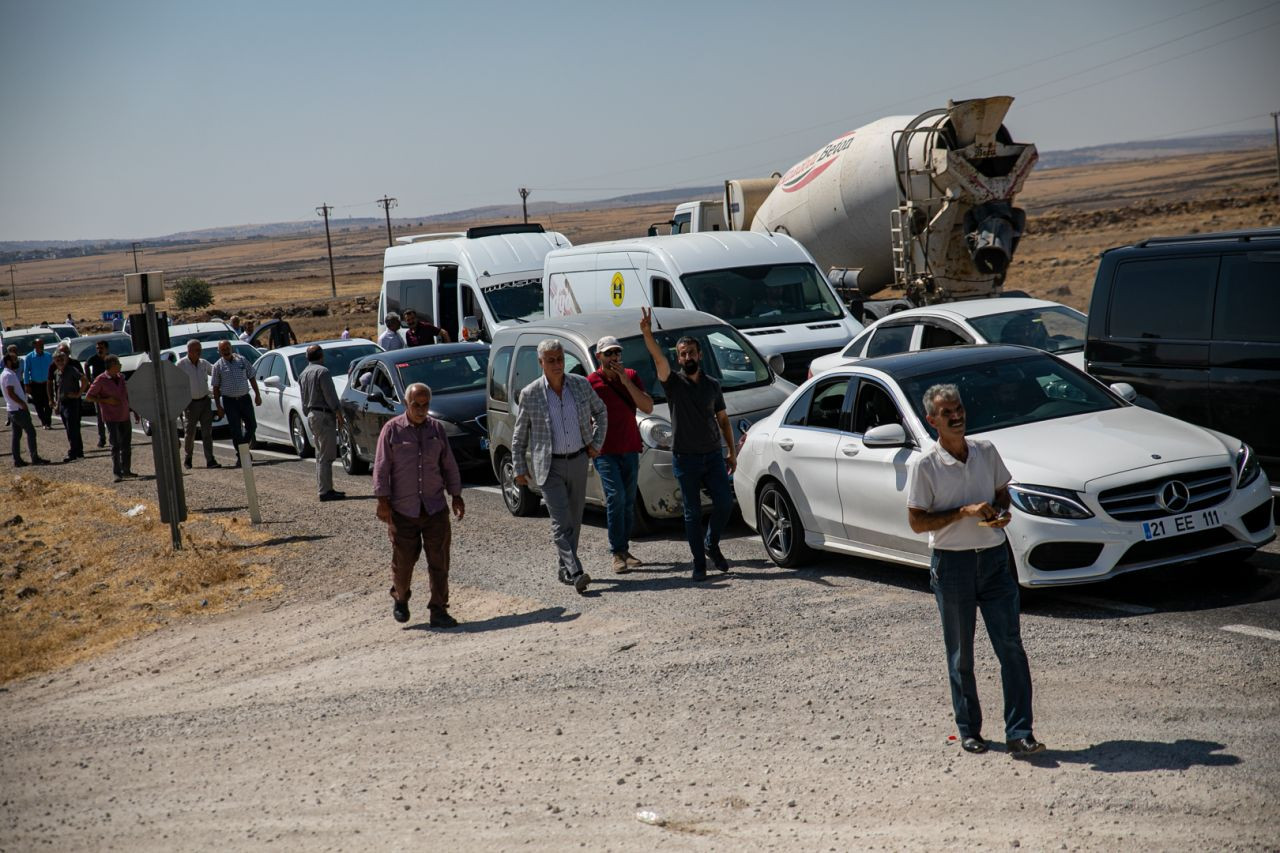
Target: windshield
x=768, y=295
x=444, y=374
x=26, y=343
x=1052, y=329
x=725, y=356
x=115, y=346
x=203, y=337
x=337, y=359
x=519, y=300
x=1013, y=392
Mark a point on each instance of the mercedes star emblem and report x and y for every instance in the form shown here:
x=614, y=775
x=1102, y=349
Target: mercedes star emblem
x=1174, y=496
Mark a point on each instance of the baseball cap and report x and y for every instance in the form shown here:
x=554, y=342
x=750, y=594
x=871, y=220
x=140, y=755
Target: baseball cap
x=607, y=343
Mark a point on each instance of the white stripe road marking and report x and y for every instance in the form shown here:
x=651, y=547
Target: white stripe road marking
x=1265, y=633
x=226, y=445
x=1104, y=604
x=493, y=490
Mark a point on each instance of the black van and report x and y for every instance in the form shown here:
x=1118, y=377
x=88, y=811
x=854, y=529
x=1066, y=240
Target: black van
x=1193, y=324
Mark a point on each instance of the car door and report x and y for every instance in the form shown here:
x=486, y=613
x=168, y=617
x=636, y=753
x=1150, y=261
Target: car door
x=273, y=414
x=804, y=448
x=264, y=369
x=355, y=404
x=381, y=405
x=873, y=480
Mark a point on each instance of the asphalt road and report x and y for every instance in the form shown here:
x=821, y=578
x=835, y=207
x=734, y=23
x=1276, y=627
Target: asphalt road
x=767, y=709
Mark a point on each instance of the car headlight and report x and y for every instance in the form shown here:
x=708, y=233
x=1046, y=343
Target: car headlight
x=1247, y=466
x=1048, y=501
x=656, y=433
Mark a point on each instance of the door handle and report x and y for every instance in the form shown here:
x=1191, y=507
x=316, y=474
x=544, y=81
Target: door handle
x=850, y=450
x=786, y=444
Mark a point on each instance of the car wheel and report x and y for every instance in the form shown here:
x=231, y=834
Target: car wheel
x=780, y=528
x=351, y=463
x=518, y=498
x=146, y=427
x=644, y=524
x=298, y=433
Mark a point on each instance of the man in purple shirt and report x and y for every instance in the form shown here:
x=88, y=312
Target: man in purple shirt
x=413, y=468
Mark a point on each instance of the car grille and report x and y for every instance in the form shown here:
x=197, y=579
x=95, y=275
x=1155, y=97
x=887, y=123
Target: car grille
x=1138, y=501
x=1186, y=546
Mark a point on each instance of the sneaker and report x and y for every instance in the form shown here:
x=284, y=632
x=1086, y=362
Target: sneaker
x=564, y=576
x=186, y=463
x=718, y=560
x=441, y=619
x=581, y=581
x=633, y=562
x=1021, y=747
x=620, y=564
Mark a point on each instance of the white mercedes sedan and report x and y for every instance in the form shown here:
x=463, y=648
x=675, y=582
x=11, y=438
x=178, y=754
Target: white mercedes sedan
x=1100, y=487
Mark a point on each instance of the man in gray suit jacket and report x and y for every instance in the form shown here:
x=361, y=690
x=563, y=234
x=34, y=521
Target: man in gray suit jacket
x=562, y=421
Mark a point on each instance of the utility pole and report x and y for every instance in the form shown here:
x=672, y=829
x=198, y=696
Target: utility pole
x=135, y=257
x=13, y=291
x=1275, y=118
x=386, y=204
x=524, y=203
x=323, y=210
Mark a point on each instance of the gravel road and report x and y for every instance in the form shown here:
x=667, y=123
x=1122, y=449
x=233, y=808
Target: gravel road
x=767, y=709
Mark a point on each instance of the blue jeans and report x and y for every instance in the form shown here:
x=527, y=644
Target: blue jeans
x=240, y=417
x=618, y=473
x=696, y=471
x=964, y=582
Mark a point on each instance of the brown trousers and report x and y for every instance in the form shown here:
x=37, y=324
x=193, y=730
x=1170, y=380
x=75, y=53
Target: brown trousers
x=409, y=537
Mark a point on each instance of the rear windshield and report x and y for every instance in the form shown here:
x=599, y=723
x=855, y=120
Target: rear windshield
x=725, y=355
x=26, y=343
x=203, y=337
x=1052, y=329
x=338, y=359
x=767, y=295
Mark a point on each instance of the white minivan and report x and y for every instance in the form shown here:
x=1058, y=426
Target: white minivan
x=764, y=285
x=470, y=283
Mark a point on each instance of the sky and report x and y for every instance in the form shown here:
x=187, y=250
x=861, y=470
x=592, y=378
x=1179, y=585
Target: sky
x=133, y=118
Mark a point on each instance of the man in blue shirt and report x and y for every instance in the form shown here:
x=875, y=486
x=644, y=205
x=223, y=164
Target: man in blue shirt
x=36, y=366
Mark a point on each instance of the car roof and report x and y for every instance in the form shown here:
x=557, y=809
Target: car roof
x=1195, y=244
x=908, y=365
x=703, y=250
x=106, y=336
x=969, y=308
x=327, y=343
x=392, y=356
x=188, y=328
x=625, y=322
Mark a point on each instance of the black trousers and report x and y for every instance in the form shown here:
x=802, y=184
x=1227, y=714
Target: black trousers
x=38, y=395
x=69, y=411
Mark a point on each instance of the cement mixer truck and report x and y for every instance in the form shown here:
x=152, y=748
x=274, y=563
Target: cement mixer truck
x=922, y=203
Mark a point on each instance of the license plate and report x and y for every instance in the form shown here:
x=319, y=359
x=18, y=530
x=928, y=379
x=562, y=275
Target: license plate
x=1177, y=525
x=484, y=444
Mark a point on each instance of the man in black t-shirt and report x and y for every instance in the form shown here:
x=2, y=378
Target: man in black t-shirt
x=282, y=333
x=96, y=365
x=698, y=422
x=419, y=332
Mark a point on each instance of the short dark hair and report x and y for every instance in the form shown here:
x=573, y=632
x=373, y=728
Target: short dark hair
x=689, y=342
x=111, y=359
x=314, y=353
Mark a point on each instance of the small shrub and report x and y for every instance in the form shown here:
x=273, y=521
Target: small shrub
x=192, y=293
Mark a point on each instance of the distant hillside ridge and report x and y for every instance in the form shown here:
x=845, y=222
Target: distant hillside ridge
x=1154, y=148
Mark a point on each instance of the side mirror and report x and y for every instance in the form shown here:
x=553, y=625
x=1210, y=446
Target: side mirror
x=777, y=363
x=1125, y=390
x=272, y=381
x=470, y=329
x=886, y=435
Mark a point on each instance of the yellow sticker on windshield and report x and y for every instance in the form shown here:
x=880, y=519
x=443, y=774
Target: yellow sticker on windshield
x=617, y=289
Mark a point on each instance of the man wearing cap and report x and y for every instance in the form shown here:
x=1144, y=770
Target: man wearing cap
x=618, y=464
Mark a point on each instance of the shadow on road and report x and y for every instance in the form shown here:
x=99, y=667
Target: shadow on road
x=1139, y=756
x=552, y=615
x=280, y=540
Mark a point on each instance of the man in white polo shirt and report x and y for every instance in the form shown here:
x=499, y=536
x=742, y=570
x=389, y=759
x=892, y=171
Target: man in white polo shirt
x=959, y=495
x=199, y=411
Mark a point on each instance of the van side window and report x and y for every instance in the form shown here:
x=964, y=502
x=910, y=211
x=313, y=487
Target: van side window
x=663, y=295
x=573, y=364
x=498, y=375
x=1248, y=298
x=527, y=369
x=390, y=299
x=1163, y=298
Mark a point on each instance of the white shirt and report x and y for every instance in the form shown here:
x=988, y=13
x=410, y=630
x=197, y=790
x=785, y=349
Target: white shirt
x=940, y=482
x=9, y=379
x=390, y=340
x=346, y=335
x=198, y=375
x=244, y=336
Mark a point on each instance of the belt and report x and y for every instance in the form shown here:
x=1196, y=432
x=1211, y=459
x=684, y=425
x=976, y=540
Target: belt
x=321, y=409
x=198, y=399
x=574, y=455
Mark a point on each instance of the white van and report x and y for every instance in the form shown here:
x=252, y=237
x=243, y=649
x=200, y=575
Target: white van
x=469, y=283
x=765, y=285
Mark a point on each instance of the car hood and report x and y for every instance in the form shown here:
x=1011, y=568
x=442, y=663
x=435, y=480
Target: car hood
x=1071, y=452
x=459, y=406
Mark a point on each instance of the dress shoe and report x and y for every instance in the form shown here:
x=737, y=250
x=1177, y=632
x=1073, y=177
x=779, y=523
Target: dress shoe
x=974, y=743
x=39, y=460
x=131, y=474
x=400, y=609
x=20, y=463
x=633, y=562
x=237, y=463
x=620, y=564
x=70, y=457
x=1021, y=747
x=102, y=442
x=213, y=463
x=564, y=577
x=333, y=495
x=581, y=581
x=718, y=560
x=699, y=574
x=186, y=463
x=440, y=618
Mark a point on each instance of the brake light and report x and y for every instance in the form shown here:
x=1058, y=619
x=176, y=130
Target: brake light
x=742, y=439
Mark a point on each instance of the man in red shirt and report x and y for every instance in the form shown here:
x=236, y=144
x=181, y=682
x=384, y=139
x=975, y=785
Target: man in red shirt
x=110, y=393
x=623, y=392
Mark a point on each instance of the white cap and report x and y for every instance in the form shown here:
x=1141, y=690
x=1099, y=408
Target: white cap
x=607, y=343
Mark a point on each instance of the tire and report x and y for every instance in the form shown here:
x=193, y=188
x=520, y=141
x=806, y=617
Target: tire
x=351, y=463
x=644, y=524
x=519, y=500
x=298, y=435
x=780, y=528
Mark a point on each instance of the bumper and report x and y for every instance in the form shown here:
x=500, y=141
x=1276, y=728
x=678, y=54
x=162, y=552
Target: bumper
x=1055, y=552
x=657, y=487
x=469, y=451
